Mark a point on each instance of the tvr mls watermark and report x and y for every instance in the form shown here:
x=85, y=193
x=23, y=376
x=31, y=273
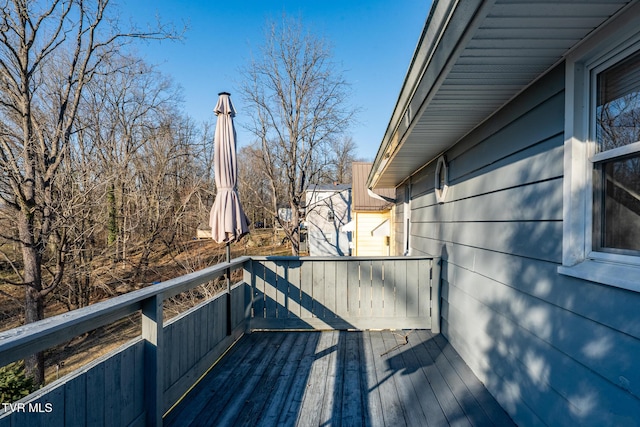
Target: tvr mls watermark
x=37, y=407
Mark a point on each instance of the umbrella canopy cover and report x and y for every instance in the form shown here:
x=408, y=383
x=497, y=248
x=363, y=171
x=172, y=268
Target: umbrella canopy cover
x=227, y=219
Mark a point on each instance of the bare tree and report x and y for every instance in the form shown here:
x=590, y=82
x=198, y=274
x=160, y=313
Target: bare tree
x=254, y=187
x=298, y=103
x=205, y=152
x=121, y=112
x=162, y=190
x=49, y=51
x=343, y=154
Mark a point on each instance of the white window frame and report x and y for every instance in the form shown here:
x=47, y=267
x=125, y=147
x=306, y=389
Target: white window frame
x=609, y=45
x=441, y=193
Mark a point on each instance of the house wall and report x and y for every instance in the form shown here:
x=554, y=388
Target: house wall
x=554, y=350
x=365, y=243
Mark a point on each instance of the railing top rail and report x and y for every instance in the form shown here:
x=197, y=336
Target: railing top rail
x=24, y=340
x=340, y=258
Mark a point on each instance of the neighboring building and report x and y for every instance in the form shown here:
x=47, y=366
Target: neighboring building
x=328, y=210
x=371, y=215
x=514, y=152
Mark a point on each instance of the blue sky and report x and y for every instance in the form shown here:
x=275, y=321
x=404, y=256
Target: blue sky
x=373, y=41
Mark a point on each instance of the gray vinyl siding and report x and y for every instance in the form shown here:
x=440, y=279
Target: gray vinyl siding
x=553, y=350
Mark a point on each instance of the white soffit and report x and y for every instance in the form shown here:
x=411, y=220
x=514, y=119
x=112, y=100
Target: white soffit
x=500, y=48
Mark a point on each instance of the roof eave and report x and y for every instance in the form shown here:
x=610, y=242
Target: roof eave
x=447, y=21
x=473, y=58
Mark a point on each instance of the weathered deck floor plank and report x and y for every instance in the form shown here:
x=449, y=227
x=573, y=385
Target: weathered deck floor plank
x=339, y=378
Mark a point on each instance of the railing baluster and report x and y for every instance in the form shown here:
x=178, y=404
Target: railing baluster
x=152, y=333
x=228, y=319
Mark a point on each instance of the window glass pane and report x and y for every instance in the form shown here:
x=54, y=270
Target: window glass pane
x=441, y=172
x=621, y=204
x=618, y=104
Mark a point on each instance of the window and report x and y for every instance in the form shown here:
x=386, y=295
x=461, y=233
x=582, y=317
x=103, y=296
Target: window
x=442, y=179
x=601, y=209
x=616, y=179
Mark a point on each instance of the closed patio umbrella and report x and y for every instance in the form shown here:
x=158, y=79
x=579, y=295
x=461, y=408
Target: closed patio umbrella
x=227, y=219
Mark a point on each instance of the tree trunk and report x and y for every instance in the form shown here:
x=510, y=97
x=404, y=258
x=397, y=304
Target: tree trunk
x=112, y=223
x=34, y=307
x=295, y=230
x=295, y=241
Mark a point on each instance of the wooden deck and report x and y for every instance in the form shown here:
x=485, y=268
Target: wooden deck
x=336, y=378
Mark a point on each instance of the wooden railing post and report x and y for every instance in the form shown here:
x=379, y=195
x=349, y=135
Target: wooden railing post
x=152, y=333
x=228, y=317
x=228, y=281
x=249, y=280
x=435, y=294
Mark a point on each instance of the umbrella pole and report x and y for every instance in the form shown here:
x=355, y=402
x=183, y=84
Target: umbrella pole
x=228, y=274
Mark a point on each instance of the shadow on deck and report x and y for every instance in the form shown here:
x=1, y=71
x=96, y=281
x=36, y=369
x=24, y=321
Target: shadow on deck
x=339, y=378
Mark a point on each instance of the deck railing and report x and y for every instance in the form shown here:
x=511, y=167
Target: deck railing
x=139, y=382
x=343, y=292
